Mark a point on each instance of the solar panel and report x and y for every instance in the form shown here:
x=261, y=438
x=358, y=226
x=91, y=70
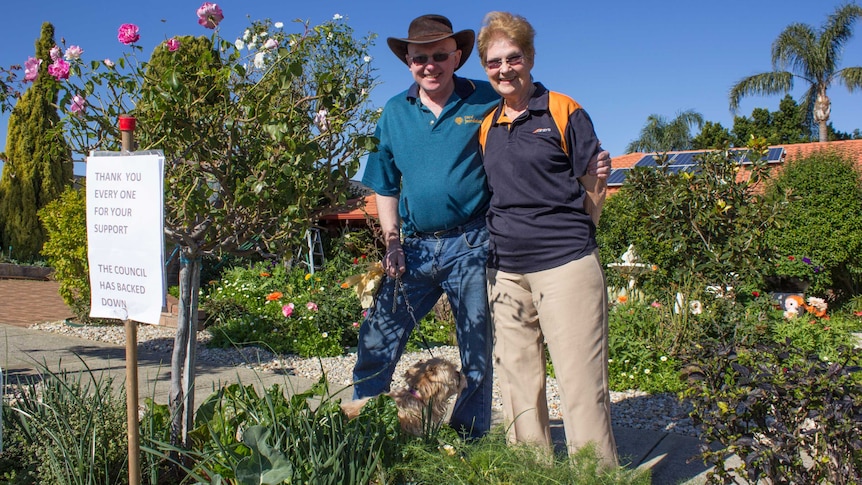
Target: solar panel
x=774, y=154
x=646, y=161
x=618, y=176
x=685, y=158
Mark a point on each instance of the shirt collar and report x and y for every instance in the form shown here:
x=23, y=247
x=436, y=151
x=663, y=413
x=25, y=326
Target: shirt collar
x=538, y=102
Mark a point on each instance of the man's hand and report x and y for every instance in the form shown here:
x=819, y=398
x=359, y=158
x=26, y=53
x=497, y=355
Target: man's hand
x=600, y=165
x=394, y=264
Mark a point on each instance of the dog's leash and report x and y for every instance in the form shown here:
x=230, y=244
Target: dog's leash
x=416, y=326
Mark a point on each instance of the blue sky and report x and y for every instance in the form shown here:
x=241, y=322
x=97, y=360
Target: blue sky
x=622, y=60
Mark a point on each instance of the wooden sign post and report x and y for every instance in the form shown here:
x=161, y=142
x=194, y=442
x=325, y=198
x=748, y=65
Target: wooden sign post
x=127, y=133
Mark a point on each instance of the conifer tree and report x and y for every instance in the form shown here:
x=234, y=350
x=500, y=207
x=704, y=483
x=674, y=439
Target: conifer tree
x=38, y=160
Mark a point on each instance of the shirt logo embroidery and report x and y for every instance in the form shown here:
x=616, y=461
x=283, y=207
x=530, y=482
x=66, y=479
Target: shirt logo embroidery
x=460, y=120
x=541, y=130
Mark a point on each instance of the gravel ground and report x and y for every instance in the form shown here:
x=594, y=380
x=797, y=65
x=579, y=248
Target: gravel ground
x=633, y=409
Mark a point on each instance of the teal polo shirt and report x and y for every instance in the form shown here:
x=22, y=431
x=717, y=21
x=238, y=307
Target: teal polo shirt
x=432, y=164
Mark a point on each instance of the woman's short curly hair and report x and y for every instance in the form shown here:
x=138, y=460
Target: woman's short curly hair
x=515, y=28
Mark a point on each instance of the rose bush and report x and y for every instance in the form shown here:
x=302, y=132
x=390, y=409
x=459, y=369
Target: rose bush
x=247, y=168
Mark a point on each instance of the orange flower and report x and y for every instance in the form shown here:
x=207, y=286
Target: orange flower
x=265, y=274
x=622, y=298
x=345, y=285
x=275, y=295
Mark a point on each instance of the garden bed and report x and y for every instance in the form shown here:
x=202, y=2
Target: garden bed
x=25, y=272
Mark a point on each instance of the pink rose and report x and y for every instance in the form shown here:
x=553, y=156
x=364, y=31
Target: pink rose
x=78, y=104
x=270, y=44
x=128, y=34
x=209, y=15
x=73, y=52
x=287, y=310
x=55, y=53
x=311, y=306
x=173, y=44
x=31, y=69
x=108, y=62
x=59, y=69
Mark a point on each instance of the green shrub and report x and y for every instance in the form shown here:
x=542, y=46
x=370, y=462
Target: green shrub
x=65, y=221
x=640, y=357
x=68, y=428
x=790, y=417
x=271, y=438
x=822, y=223
x=292, y=310
x=285, y=310
x=620, y=226
x=707, y=224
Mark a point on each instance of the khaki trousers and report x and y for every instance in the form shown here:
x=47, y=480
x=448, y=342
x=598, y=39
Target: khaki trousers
x=565, y=307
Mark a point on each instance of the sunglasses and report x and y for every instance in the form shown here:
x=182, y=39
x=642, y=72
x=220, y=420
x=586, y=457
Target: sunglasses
x=516, y=60
x=422, y=59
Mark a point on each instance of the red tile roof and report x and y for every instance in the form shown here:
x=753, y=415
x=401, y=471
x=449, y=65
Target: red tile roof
x=850, y=148
x=367, y=207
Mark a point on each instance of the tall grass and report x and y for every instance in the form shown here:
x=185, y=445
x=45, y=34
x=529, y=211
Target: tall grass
x=71, y=424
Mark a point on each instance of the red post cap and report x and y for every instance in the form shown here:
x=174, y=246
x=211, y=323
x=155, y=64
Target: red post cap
x=127, y=123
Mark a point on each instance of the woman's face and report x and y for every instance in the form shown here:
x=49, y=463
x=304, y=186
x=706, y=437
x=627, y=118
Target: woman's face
x=507, y=69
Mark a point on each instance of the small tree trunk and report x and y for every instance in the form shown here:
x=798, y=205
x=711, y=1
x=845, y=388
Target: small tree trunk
x=182, y=398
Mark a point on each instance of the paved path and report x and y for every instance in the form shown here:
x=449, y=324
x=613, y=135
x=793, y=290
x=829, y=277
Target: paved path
x=25, y=302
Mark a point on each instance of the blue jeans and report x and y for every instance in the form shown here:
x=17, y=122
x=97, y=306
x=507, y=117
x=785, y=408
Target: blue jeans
x=453, y=262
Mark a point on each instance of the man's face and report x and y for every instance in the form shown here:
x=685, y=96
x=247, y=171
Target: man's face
x=432, y=75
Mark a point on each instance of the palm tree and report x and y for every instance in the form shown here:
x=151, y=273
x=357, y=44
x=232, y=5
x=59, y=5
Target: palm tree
x=812, y=57
x=661, y=135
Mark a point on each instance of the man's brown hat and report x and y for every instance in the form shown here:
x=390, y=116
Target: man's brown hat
x=431, y=28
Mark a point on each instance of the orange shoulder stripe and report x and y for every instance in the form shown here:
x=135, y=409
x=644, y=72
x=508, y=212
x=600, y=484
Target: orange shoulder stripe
x=561, y=107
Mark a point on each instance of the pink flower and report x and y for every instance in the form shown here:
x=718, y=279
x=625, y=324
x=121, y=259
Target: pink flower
x=108, y=62
x=73, y=52
x=287, y=310
x=655, y=304
x=78, y=104
x=270, y=44
x=311, y=306
x=355, y=324
x=128, y=34
x=31, y=69
x=59, y=69
x=209, y=15
x=173, y=44
x=55, y=53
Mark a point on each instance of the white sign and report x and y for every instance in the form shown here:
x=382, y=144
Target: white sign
x=125, y=235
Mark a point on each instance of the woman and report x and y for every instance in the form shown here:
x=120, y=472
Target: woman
x=545, y=280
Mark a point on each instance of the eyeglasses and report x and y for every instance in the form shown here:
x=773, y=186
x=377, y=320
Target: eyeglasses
x=422, y=59
x=512, y=61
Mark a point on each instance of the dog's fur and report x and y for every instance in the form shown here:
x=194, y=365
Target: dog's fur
x=430, y=385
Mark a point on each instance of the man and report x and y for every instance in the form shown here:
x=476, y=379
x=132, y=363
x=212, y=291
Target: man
x=431, y=187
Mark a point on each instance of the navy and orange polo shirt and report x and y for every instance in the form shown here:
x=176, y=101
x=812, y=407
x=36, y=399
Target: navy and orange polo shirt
x=433, y=163
x=537, y=219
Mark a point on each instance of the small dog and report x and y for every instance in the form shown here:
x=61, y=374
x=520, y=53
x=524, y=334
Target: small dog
x=430, y=385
